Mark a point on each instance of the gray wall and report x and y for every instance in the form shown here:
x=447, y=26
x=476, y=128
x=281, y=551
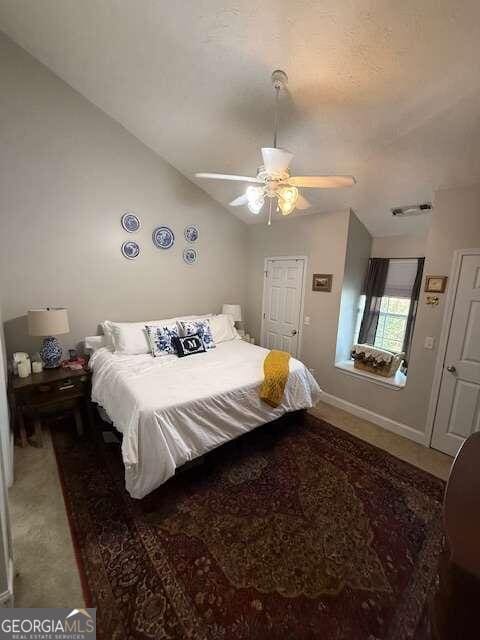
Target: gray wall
x=323, y=239
x=403, y=246
x=358, y=250
x=67, y=173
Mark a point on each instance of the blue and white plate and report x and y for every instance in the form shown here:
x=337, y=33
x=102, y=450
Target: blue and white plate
x=130, y=250
x=130, y=222
x=163, y=237
x=190, y=255
x=191, y=233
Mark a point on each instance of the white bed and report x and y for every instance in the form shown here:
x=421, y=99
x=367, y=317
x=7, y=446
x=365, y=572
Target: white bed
x=171, y=410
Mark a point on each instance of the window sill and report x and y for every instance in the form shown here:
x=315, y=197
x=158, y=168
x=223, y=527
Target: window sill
x=396, y=383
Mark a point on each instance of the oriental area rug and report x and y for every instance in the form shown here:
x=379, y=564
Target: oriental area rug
x=294, y=531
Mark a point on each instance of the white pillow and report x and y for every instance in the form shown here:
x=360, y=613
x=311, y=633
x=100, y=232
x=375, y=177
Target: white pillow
x=107, y=332
x=131, y=337
x=187, y=318
x=223, y=328
x=92, y=343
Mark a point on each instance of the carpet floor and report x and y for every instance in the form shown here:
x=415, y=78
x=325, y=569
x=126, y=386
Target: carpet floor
x=294, y=531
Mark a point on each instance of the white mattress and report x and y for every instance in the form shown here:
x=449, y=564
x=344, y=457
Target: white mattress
x=171, y=410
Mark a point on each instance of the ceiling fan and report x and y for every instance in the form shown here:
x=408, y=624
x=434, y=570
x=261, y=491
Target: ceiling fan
x=273, y=180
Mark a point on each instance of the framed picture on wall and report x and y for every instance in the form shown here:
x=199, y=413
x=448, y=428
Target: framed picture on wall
x=322, y=282
x=435, y=284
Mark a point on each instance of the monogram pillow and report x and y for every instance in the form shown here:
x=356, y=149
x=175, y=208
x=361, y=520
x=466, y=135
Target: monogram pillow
x=188, y=345
x=200, y=327
x=160, y=339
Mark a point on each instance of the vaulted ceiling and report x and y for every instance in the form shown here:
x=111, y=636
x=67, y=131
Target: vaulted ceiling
x=388, y=91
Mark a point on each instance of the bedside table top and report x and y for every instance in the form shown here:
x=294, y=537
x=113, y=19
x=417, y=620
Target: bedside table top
x=46, y=376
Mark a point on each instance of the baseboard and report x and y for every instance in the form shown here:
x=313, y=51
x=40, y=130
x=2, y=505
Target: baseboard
x=382, y=421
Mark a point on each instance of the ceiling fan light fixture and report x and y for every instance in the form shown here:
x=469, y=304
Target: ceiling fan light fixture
x=255, y=199
x=287, y=199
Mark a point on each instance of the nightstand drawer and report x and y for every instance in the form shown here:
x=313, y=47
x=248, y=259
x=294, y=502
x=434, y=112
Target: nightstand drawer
x=47, y=393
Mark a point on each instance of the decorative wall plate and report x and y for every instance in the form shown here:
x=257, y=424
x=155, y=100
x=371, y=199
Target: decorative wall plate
x=130, y=249
x=163, y=237
x=191, y=233
x=130, y=222
x=190, y=255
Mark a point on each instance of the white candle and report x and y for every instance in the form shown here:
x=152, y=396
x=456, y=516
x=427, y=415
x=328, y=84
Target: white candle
x=37, y=367
x=23, y=369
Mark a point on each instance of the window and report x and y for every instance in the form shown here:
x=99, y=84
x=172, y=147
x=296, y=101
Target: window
x=392, y=323
x=386, y=312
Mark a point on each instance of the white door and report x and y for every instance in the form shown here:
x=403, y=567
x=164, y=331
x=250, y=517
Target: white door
x=282, y=302
x=458, y=409
x=6, y=474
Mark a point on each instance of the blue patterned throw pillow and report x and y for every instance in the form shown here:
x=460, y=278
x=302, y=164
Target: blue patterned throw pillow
x=160, y=339
x=199, y=327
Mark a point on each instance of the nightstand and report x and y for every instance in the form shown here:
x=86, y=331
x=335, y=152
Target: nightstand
x=46, y=393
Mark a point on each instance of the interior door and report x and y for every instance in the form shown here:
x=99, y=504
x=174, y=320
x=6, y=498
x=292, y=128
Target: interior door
x=282, y=304
x=458, y=409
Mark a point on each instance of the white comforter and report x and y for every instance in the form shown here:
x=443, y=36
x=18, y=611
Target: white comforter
x=171, y=410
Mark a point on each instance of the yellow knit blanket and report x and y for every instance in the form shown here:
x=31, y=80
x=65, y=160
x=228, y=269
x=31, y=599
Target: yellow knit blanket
x=275, y=368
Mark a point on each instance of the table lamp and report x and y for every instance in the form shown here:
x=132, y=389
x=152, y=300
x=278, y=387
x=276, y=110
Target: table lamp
x=234, y=310
x=49, y=322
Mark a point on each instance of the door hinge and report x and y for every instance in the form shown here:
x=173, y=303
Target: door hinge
x=264, y=316
x=266, y=274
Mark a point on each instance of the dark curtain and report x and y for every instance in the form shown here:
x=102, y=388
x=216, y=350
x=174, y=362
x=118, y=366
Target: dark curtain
x=374, y=289
x=412, y=312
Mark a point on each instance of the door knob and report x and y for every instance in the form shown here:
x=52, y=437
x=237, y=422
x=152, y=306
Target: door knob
x=294, y=332
x=451, y=369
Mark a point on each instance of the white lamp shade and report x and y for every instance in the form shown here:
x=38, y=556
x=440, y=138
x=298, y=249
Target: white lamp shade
x=276, y=160
x=234, y=310
x=47, y=322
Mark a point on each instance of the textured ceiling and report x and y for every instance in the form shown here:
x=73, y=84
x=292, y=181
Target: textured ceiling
x=387, y=91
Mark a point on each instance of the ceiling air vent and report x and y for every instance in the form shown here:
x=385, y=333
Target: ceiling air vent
x=412, y=210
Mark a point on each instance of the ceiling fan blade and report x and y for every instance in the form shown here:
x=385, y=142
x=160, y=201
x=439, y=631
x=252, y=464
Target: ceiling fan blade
x=225, y=176
x=276, y=160
x=239, y=201
x=322, y=182
x=302, y=203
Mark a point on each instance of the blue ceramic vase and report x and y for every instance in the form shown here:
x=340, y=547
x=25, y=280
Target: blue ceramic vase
x=51, y=352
